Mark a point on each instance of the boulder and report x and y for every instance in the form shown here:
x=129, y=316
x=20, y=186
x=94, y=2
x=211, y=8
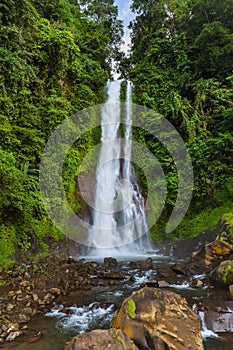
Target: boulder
x=113, y=339
x=142, y=265
x=223, y=273
x=179, y=268
x=159, y=319
x=167, y=273
x=163, y=284
x=109, y=261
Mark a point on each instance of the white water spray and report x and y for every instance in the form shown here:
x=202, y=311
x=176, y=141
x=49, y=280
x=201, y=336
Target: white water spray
x=118, y=216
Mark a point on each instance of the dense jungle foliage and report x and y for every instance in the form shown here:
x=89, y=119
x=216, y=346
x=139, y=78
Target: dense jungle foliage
x=55, y=58
x=181, y=66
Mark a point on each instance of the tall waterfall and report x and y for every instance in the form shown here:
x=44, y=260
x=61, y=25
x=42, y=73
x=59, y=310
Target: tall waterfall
x=119, y=220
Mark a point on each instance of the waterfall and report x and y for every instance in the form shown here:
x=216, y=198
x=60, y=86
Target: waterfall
x=206, y=333
x=119, y=220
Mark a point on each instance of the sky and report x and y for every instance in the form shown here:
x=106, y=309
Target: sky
x=126, y=15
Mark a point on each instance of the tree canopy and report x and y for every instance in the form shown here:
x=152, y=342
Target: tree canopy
x=55, y=58
x=181, y=66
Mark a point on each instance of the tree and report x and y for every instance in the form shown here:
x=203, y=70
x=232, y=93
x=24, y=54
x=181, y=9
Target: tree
x=181, y=68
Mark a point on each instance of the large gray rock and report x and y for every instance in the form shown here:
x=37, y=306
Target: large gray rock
x=113, y=339
x=219, y=317
x=159, y=320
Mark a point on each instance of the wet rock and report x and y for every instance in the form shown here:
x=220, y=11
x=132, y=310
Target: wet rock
x=143, y=265
x=167, y=273
x=113, y=275
x=33, y=338
x=149, y=284
x=109, y=262
x=55, y=291
x=94, y=264
x=163, y=284
x=113, y=339
x=49, y=298
x=196, y=283
x=67, y=311
x=219, y=317
x=179, y=268
x=159, y=319
x=13, y=335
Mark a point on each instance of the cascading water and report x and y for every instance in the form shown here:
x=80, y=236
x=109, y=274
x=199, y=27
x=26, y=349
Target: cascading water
x=118, y=215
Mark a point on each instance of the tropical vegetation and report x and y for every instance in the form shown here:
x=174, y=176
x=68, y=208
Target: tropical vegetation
x=56, y=56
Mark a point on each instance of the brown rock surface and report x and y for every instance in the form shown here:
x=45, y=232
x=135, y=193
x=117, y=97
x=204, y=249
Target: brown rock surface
x=113, y=339
x=215, y=250
x=159, y=319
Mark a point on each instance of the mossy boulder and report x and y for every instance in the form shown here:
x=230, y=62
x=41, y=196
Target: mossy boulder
x=159, y=319
x=113, y=339
x=223, y=273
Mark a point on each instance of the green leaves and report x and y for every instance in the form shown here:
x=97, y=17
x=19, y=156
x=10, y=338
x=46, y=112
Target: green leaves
x=55, y=60
x=182, y=68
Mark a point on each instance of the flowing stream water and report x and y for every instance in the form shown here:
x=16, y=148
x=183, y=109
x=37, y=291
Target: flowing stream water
x=85, y=310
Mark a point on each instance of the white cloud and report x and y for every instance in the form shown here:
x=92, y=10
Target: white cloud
x=126, y=15
x=127, y=43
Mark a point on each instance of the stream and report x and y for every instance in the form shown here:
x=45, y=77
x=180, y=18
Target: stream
x=93, y=308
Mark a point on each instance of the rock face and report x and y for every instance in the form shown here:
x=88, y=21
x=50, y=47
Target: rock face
x=113, y=339
x=159, y=320
x=215, y=250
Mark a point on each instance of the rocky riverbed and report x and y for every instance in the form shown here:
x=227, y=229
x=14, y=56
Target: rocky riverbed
x=55, y=298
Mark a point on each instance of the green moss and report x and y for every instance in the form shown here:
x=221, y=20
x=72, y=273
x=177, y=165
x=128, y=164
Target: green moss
x=141, y=293
x=157, y=294
x=117, y=337
x=131, y=307
x=227, y=244
x=228, y=275
x=7, y=244
x=121, y=341
x=229, y=219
